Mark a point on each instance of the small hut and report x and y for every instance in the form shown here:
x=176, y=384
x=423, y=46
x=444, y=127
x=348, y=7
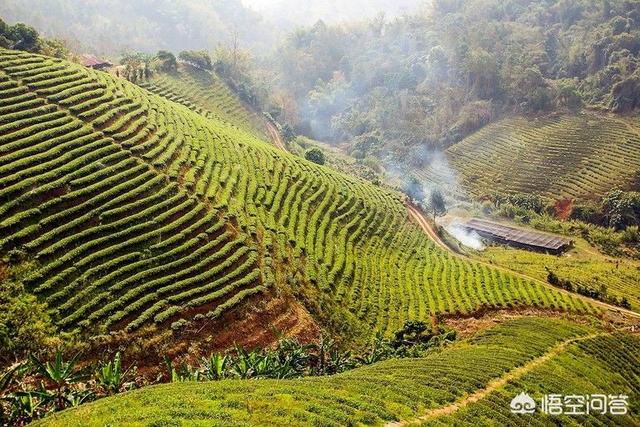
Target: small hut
x=92, y=61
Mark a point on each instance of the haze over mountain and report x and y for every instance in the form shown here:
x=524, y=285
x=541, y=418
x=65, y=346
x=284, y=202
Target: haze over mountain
x=306, y=12
x=111, y=26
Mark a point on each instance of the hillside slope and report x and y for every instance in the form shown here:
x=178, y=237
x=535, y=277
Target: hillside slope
x=207, y=94
x=397, y=389
x=607, y=364
x=122, y=209
x=578, y=157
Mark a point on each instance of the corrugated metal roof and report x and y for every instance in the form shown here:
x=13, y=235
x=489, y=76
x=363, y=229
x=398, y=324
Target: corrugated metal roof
x=517, y=235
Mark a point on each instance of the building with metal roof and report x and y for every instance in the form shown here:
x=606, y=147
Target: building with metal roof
x=92, y=61
x=518, y=237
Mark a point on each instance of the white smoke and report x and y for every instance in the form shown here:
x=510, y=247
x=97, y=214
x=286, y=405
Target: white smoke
x=432, y=169
x=435, y=172
x=446, y=177
x=470, y=239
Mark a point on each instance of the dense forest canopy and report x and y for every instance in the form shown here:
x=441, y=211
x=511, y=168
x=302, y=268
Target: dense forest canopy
x=428, y=80
x=26, y=38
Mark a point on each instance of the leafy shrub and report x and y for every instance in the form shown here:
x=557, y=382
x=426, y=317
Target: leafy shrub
x=25, y=325
x=315, y=155
x=199, y=58
x=631, y=235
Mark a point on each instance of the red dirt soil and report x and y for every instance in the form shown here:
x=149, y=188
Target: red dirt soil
x=259, y=322
x=563, y=208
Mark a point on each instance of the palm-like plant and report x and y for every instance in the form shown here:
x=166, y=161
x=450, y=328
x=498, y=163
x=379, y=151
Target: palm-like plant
x=78, y=398
x=215, y=366
x=338, y=362
x=181, y=373
x=59, y=375
x=243, y=364
x=293, y=357
x=26, y=406
x=110, y=375
x=378, y=351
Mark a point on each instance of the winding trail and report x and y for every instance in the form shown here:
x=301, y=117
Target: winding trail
x=494, y=384
x=428, y=229
x=275, y=136
x=426, y=226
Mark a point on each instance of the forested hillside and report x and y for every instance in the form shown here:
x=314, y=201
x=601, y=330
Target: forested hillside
x=111, y=26
x=398, y=88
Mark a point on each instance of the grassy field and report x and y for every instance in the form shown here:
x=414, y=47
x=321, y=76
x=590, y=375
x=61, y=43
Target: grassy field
x=122, y=209
x=579, y=157
x=206, y=94
x=395, y=389
x=583, y=265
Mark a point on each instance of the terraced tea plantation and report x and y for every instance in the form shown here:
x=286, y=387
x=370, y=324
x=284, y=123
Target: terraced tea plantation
x=206, y=94
x=603, y=365
x=122, y=209
x=582, y=264
x=570, y=156
x=399, y=389
x=114, y=239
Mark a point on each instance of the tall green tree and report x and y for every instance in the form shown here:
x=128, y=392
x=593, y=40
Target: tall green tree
x=437, y=203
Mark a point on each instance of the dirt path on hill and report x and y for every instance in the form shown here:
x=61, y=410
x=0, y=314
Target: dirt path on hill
x=493, y=385
x=426, y=226
x=275, y=136
x=429, y=230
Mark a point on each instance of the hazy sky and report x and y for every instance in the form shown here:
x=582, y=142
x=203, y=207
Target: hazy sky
x=305, y=12
x=258, y=5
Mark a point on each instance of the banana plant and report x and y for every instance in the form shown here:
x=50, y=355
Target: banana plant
x=378, y=351
x=58, y=375
x=181, y=373
x=26, y=406
x=110, y=375
x=215, y=366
